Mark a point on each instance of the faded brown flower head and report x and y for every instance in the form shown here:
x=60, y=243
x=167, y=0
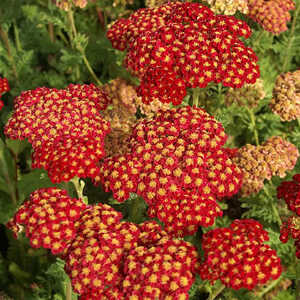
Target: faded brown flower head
x=286, y=96
x=272, y=158
x=67, y=4
x=155, y=3
x=228, y=7
x=121, y=113
x=249, y=95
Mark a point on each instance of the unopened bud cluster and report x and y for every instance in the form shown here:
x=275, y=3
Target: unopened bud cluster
x=286, y=96
x=272, y=15
x=249, y=95
x=228, y=7
x=272, y=158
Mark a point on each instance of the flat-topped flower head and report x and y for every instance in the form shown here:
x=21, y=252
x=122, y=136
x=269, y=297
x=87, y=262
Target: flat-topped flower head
x=274, y=157
x=64, y=127
x=183, y=45
x=291, y=228
x=228, y=7
x=49, y=218
x=4, y=86
x=290, y=192
x=68, y=4
x=286, y=96
x=177, y=163
x=238, y=256
x=165, y=270
x=272, y=15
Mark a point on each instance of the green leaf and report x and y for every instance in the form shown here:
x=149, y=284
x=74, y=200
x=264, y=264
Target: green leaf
x=32, y=181
x=7, y=208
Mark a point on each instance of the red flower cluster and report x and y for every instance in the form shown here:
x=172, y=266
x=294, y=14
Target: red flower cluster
x=271, y=15
x=177, y=164
x=4, y=87
x=49, y=217
x=106, y=258
x=65, y=128
x=238, y=257
x=183, y=45
x=290, y=192
x=291, y=228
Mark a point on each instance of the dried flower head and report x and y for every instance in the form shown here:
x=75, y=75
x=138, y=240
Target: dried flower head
x=273, y=158
x=177, y=164
x=291, y=228
x=290, y=192
x=286, y=96
x=64, y=127
x=67, y=4
x=228, y=7
x=249, y=95
x=121, y=114
x=272, y=15
x=156, y=3
x=49, y=217
x=238, y=257
x=180, y=45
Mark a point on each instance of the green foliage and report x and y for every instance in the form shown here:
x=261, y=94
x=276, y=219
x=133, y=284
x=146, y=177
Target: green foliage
x=43, y=49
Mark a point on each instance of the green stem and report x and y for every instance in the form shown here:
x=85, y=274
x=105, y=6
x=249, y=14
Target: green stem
x=78, y=187
x=196, y=94
x=69, y=290
x=298, y=280
x=253, y=123
x=274, y=208
x=17, y=36
x=88, y=66
x=291, y=39
x=298, y=121
x=51, y=32
x=136, y=210
x=217, y=292
x=269, y=287
x=4, y=37
x=80, y=49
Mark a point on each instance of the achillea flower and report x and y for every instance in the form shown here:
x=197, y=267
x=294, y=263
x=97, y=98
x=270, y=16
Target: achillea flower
x=49, y=217
x=249, y=95
x=238, y=257
x=4, y=86
x=271, y=15
x=291, y=228
x=155, y=3
x=165, y=270
x=121, y=114
x=273, y=158
x=94, y=257
x=286, y=96
x=64, y=127
x=228, y=7
x=67, y=4
x=181, y=45
x=177, y=164
x=290, y=192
